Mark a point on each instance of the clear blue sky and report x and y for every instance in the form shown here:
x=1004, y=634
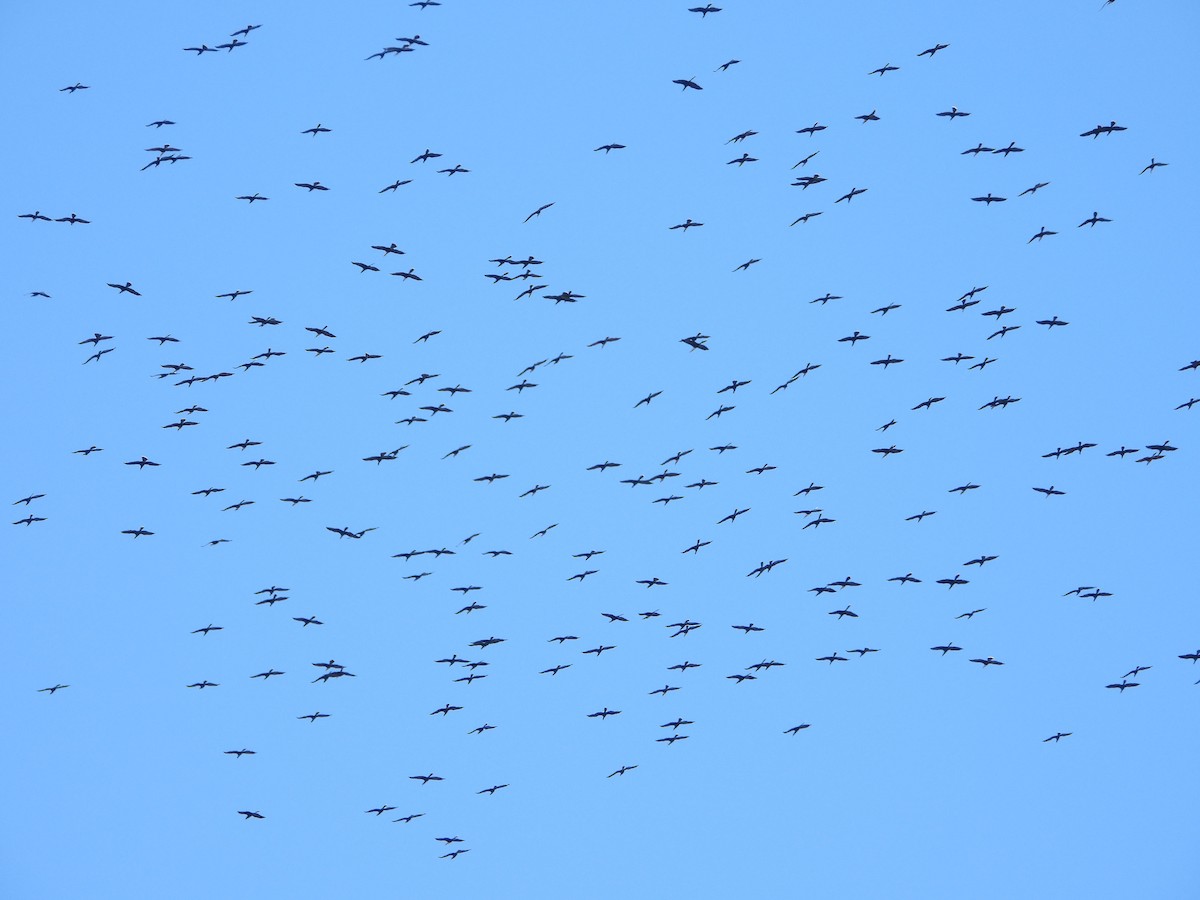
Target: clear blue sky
x=922, y=774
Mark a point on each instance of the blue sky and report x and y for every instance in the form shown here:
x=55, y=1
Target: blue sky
x=921, y=774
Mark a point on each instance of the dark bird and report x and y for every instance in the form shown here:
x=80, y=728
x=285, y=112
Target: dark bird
x=932, y=50
x=1123, y=685
x=687, y=83
x=538, y=211
x=607, y=147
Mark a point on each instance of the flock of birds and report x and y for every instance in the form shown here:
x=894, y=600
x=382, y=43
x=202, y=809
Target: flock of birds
x=432, y=394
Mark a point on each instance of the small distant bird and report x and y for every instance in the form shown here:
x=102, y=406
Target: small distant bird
x=538, y=211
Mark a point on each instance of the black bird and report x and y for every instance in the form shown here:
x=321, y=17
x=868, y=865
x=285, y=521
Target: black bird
x=1154, y=164
x=796, y=729
x=607, y=147
x=538, y=211
x=687, y=83
x=1123, y=685
x=932, y=50
x=1056, y=737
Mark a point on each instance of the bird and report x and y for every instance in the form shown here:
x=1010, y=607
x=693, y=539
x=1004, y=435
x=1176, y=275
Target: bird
x=538, y=211
x=52, y=689
x=1154, y=164
x=932, y=50
x=796, y=729
x=316, y=129
x=688, y=83
x=1058, y=736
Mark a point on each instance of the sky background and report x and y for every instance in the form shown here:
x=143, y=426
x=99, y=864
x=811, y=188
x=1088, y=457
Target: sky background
x=921, y=775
